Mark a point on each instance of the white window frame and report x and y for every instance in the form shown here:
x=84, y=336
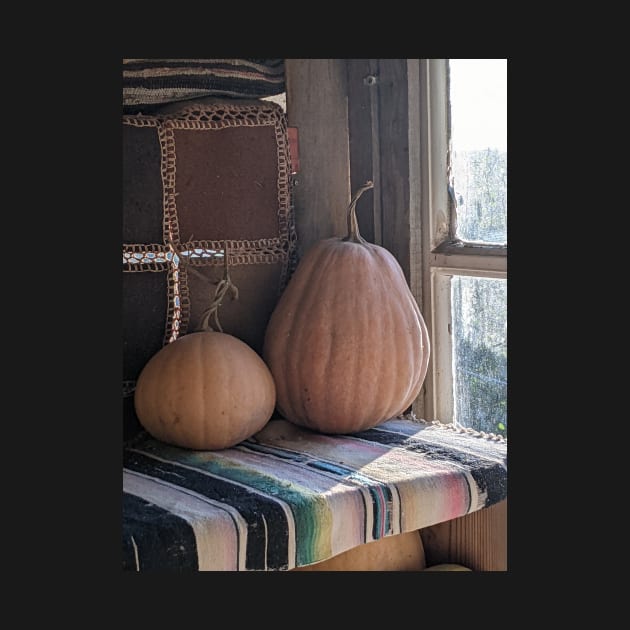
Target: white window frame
x=443, y=256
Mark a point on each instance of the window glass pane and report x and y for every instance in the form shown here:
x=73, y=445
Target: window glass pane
x=479, y=325
x=478, y=102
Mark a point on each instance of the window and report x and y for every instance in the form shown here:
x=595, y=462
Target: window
x=464, y=166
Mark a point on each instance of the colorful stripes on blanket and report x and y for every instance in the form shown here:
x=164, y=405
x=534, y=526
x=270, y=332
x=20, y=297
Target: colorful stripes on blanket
x=290, y=497
x=158, y=81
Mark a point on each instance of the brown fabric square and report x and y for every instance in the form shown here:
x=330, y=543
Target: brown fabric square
x=144, y=311
x=227, y=183
x=142, y=186
x=247, y=316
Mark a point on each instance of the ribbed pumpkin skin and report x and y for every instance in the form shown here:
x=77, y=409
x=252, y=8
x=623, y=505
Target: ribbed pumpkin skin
x=346, y=343
x=205, y=391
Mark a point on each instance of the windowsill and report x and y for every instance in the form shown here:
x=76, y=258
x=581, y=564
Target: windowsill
x=290, y=497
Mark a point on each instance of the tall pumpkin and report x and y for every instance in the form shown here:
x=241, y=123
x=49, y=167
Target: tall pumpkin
x=346, y=343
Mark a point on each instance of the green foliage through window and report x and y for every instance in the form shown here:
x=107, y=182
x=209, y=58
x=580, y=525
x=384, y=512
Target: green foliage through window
x=480, y=353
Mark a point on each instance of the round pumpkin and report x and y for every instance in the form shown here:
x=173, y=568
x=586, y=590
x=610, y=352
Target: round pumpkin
x=206, y=391
x=346, y=343
x=401, y=552
x=448, y=567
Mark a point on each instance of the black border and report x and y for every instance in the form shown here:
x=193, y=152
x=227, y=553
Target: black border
x=85, y=506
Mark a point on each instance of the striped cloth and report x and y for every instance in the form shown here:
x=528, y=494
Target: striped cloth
x=148, y=82
x=290, y=497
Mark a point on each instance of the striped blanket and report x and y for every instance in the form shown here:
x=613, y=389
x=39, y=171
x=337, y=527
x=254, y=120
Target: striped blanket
x=148, y=82
x=290, y=497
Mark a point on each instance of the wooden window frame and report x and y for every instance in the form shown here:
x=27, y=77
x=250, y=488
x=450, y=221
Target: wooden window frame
x=444, y=255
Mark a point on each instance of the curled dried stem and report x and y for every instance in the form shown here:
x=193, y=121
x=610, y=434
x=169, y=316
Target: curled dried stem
x=353, y=224
x=223, y=286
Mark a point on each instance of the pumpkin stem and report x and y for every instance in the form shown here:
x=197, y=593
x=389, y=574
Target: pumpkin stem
x=223, y=286
x=353, y=224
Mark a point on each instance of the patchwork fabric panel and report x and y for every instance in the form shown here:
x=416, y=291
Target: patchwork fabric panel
x=205, y=189
x=151, y=82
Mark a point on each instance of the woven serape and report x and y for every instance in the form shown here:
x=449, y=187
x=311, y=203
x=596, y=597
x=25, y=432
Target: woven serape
x=290, y=497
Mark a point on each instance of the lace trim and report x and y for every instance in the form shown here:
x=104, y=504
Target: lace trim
x=455, y=428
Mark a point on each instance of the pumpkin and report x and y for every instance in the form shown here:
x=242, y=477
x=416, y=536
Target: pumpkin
x=346, y=342
x=448, y=567
x=400, y=552
x=206, y=390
